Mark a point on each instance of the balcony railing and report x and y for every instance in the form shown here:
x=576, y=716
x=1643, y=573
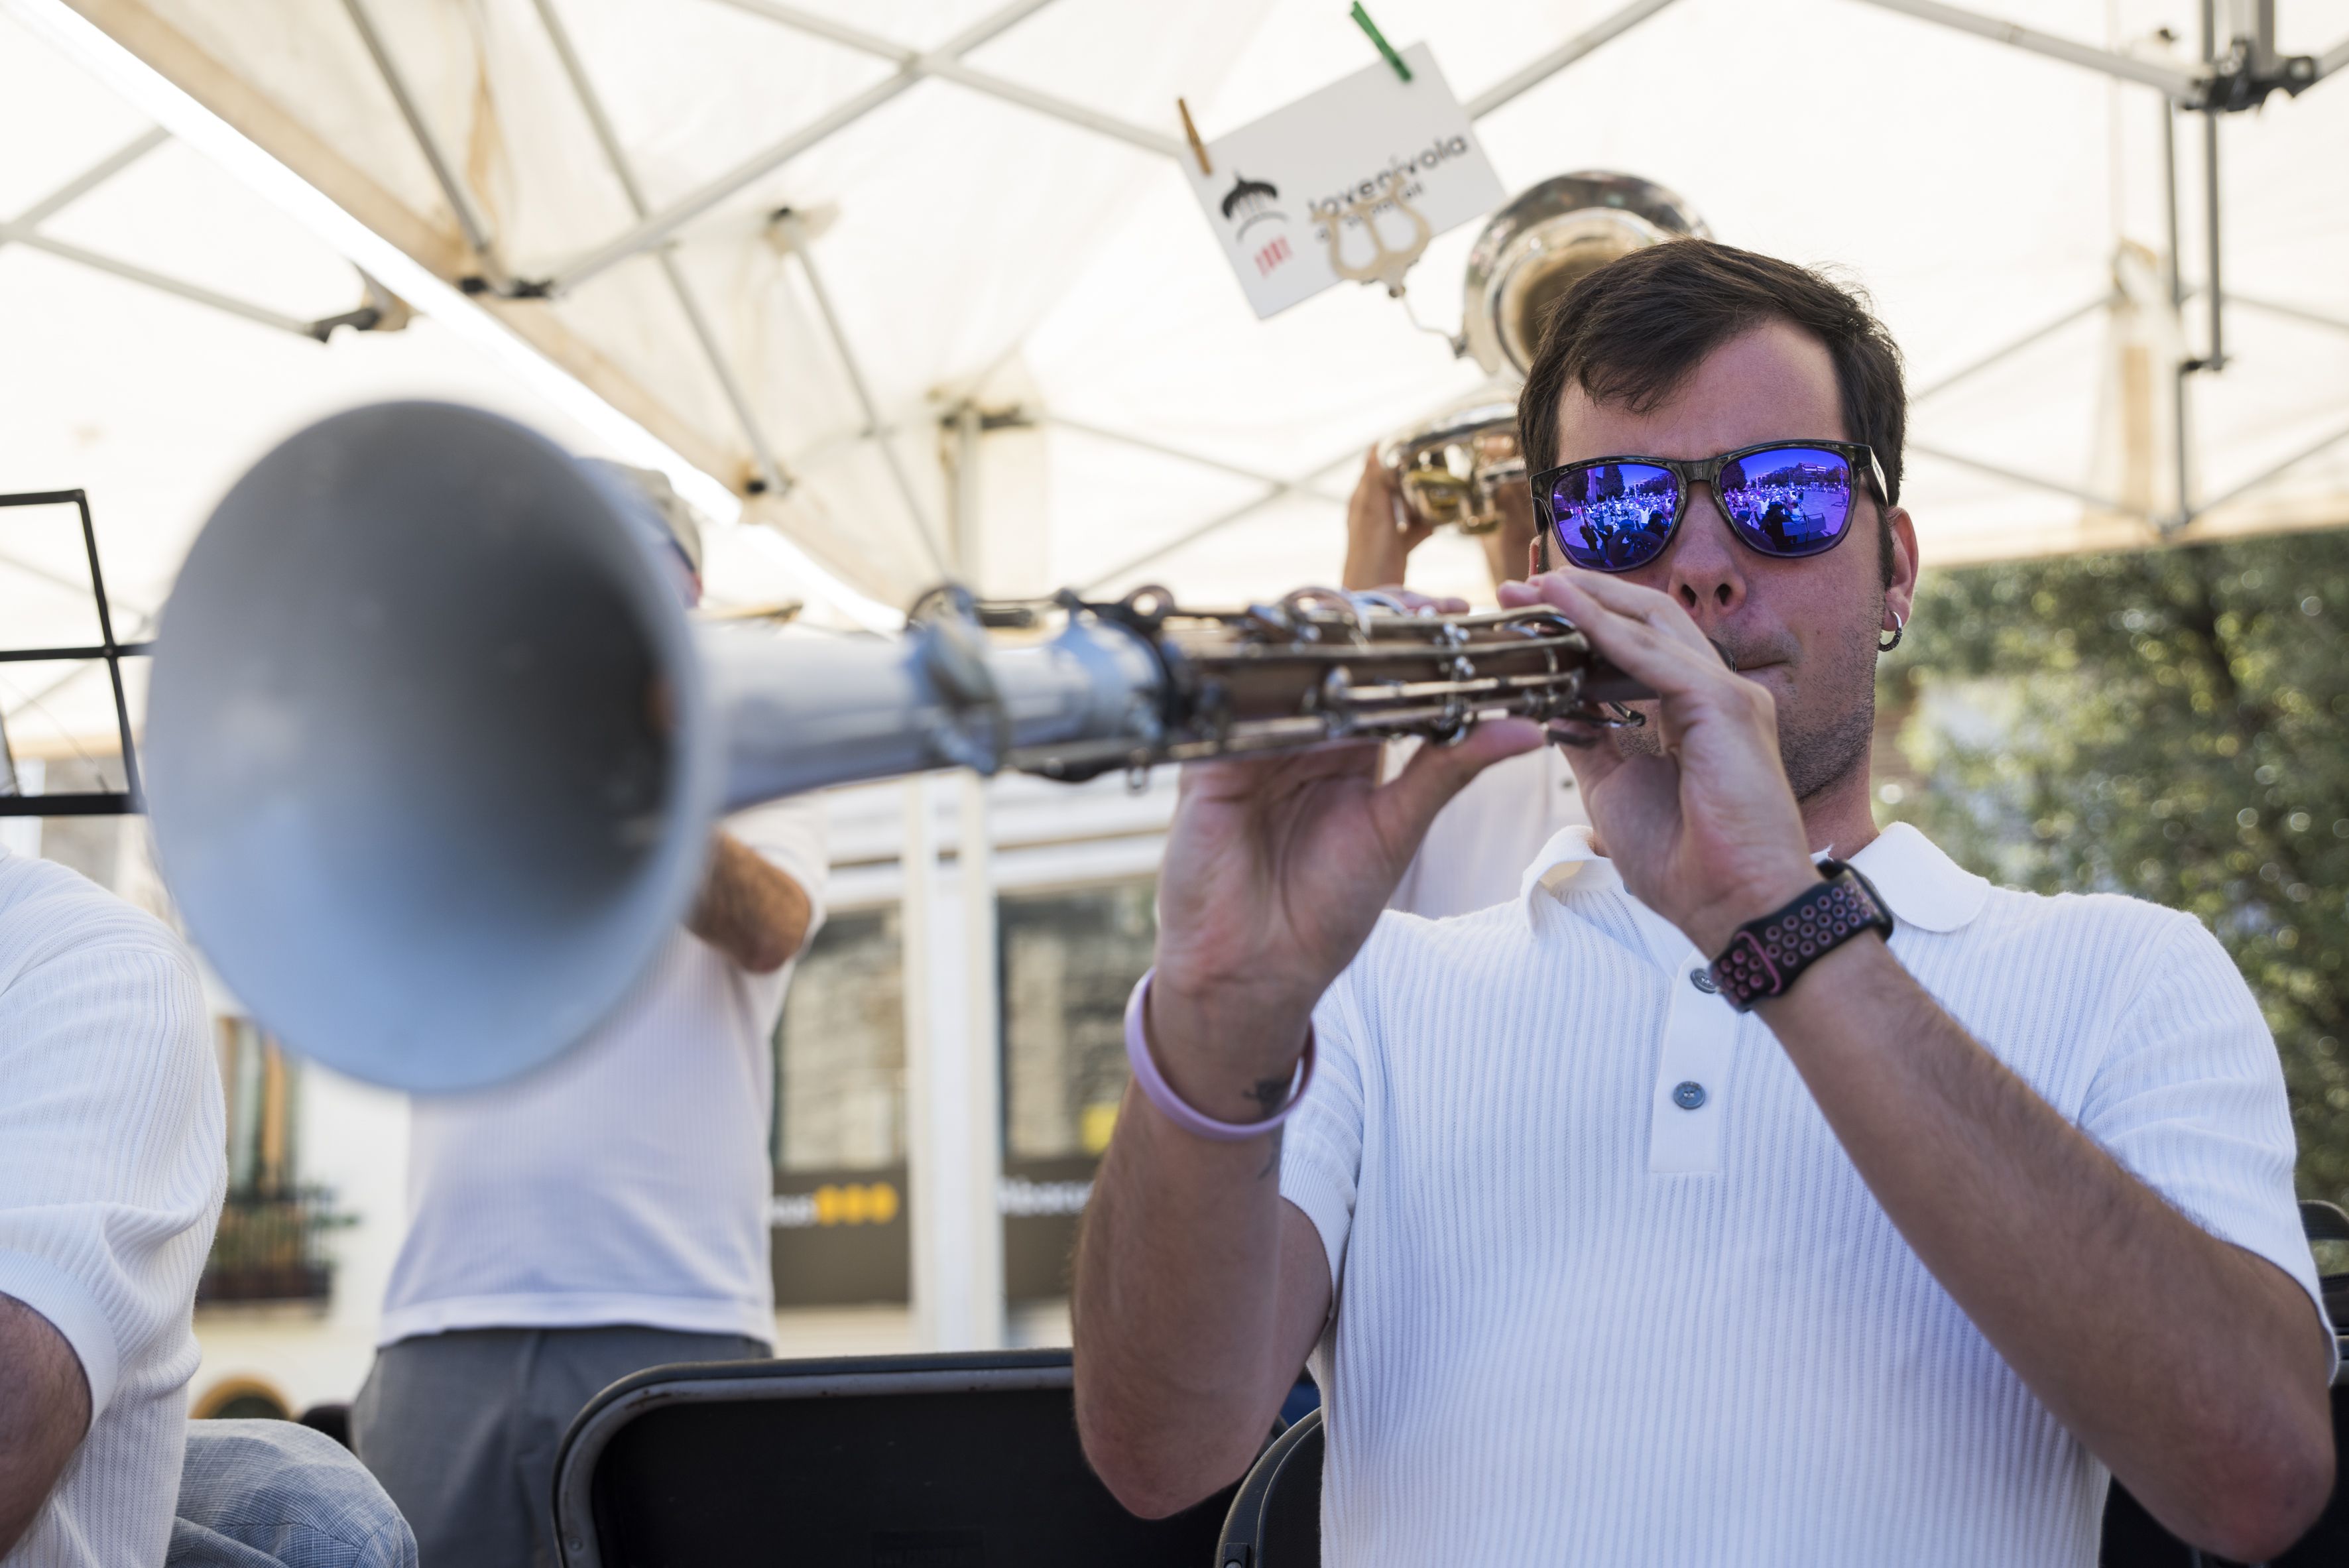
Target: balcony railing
x=268, y=1248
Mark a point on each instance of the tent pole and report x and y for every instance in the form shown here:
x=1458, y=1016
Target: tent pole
x=1280, y=491
x=2180, y=402
x=592, y=104
x=21, y=229
x=947, y=68
x=1605, y=30
x=1144, y=444
x=2335, y=440
x=2036, y=334
x=11, y=234
x=2181, y=84
x=2029, y=481
x=470, y=221
x=923, y=528
x=89, y=179
x=652, y=231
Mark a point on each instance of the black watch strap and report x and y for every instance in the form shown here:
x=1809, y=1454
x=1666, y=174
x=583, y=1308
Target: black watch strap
x=1766, y=955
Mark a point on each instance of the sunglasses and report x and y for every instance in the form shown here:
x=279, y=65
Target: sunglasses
x=1787, y=499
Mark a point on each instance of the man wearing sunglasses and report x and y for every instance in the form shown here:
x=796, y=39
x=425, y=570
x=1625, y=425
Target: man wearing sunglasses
x=1757, y=1187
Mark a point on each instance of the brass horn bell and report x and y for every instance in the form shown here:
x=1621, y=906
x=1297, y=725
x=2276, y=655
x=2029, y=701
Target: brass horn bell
x=1536, y=247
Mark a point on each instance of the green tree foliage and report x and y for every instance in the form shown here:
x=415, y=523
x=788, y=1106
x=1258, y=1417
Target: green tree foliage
x=2166, y=723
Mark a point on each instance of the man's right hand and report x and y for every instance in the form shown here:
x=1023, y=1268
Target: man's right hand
x=1275, y=870
x=1381, y=528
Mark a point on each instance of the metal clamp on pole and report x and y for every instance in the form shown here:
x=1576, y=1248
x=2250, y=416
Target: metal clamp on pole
x=974, y=729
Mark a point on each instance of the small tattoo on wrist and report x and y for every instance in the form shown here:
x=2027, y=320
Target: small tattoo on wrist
x=1268, y=1093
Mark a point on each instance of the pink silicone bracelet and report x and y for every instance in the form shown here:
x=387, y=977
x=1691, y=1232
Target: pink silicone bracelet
x=1160, y=1093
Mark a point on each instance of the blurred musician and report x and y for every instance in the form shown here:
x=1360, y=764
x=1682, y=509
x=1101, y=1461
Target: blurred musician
x=1480, y=844
x=1757, y=1187
x=606, y=1213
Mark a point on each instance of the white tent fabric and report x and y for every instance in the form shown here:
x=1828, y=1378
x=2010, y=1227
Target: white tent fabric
x=1043, y=262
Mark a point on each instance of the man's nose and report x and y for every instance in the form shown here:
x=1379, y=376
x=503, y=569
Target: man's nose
x=1704, y=569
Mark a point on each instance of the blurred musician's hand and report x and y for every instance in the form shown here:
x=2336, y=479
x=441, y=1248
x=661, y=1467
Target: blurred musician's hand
x=1382, y=529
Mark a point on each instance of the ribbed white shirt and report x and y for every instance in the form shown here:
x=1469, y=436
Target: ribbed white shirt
x=112, y=1162
x=1578, y=1322
x=1480, y=844
x=626, y=1182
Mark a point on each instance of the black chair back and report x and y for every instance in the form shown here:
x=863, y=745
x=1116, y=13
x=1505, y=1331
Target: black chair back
x=1276, y=1516
x=897, y=1462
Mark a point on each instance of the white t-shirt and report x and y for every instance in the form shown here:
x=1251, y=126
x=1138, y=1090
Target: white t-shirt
x=628, y=1180
x=1576, y=1323
x=1480, y=843
x=113, y=1159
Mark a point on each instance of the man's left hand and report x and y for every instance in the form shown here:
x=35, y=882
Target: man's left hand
x=1704, y=827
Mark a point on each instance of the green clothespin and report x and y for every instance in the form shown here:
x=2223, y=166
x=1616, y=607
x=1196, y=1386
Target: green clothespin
x=1363, y=20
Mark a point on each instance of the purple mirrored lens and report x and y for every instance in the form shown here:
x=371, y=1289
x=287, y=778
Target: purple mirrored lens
x=1788, y=500
x=1612, y=517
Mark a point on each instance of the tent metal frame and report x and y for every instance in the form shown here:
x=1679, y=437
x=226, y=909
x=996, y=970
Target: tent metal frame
x=24, y=228
x=2239, y=77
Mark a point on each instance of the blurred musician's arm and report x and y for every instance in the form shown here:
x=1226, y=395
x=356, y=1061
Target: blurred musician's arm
x=43, y=1413
x=747, y=909
x=1381, y=531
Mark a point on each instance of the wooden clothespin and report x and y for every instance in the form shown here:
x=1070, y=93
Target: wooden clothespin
x=1363, y=20
x=1191, y=133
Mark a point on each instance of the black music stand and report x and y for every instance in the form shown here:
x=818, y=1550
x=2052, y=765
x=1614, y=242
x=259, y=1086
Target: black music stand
x=129, y=798
x=896, y=1462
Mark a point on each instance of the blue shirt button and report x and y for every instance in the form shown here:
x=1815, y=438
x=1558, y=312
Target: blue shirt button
x=1689, y=1095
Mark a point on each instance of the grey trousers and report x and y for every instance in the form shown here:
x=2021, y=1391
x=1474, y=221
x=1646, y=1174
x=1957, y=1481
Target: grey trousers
x=461, y=1428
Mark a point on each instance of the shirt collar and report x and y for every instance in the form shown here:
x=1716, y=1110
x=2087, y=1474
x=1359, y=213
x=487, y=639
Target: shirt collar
x=1925, y=888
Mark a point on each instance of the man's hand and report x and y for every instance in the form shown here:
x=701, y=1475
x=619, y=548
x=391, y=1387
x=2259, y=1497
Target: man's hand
x=43, y=1413
x=1705, y=831
x=1275, y=872
x=1381, y=529
x=747, y=909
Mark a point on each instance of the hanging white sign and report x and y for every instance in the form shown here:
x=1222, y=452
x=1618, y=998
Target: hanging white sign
x=1348, y=183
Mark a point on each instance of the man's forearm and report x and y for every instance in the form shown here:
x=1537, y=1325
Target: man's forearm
x=1189, y=1327
x=44, y=1411
x=747, y=909
x=2191, y=1368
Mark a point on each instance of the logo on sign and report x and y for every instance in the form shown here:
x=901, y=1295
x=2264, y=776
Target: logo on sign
x=1248, y=204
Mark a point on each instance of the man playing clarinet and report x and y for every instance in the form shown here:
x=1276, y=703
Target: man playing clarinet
x=1756, y=1186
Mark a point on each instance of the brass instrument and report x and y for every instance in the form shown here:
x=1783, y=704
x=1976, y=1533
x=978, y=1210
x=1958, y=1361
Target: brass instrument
x=1454, y=466
x=434, y=753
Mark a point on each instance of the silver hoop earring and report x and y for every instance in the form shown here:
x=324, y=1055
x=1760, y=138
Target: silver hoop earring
x=1899, y=625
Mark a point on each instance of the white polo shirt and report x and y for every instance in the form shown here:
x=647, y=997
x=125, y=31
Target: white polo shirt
x=1578, y=1321
x=626, y=1182
x=1480, y=844
x=112, y=1162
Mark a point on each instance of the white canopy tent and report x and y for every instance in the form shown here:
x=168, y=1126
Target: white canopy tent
x=983, y=247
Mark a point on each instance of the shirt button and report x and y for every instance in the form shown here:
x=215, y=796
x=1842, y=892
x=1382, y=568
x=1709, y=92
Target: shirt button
x=1701, y=978
x=1689, y=1095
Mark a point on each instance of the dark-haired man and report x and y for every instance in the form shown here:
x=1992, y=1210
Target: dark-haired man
x=1969, y=1201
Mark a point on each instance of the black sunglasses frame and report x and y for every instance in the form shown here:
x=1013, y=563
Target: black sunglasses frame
x=1690, y=472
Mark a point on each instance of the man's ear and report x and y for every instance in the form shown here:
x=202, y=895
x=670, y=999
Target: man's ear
x=1534, y=555
x=1901, y=594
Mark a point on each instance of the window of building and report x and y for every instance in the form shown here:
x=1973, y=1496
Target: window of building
x=838, y=1215
x=840, y=1050
x=1069, y=959
x=268, y=1246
